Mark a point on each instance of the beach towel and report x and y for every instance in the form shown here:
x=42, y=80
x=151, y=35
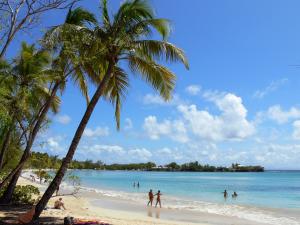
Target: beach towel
x=90, y=222
x=69, y=220
x=26, y=217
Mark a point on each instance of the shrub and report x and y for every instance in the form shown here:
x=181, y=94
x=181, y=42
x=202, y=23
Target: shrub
x=24, y=194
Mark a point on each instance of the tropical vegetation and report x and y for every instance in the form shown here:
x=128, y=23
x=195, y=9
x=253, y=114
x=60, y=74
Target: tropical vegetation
x=90, y=51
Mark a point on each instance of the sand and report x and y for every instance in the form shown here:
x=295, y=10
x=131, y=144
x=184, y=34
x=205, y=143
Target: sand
x=81, y=207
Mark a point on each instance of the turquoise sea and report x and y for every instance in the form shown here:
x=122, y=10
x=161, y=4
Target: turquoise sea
x=272, y=189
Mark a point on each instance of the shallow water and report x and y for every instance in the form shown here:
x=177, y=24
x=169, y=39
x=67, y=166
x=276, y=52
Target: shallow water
x=272, y=189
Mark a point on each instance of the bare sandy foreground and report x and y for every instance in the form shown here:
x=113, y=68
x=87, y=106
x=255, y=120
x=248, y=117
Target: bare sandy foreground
x=119, y=213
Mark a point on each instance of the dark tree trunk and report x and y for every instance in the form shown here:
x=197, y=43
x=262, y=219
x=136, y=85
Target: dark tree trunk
x=5, y=144
x=17, y=171
x=75, y=141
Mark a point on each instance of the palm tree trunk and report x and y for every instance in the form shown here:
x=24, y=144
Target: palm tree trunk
x=5, y=144
x=17, y=171
x=75, y=141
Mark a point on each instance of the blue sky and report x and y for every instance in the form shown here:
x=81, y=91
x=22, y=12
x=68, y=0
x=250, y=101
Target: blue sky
x=239, y=102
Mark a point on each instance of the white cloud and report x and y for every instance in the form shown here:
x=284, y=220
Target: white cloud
x=128, y=124
x=52, y=142
x=115, y=149
x=193, y=89
x=280, y=116
x=231, y=124
x=63, y=119
x=97, y=132
x=151, y=99
x=172, y=129
x=140, y=154
x=273, y=86
x=296, y=132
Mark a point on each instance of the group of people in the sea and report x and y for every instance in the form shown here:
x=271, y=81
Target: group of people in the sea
x=136, y=184
x=234, y=195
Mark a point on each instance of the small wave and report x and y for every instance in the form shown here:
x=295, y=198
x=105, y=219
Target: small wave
x=243, y=212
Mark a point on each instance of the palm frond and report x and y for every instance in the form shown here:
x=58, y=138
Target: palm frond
x=79, y=17
x=162, y=79
x=160, y=50
x=105, y=16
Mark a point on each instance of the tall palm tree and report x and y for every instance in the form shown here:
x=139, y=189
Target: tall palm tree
x=62, y=68
x=122, y=39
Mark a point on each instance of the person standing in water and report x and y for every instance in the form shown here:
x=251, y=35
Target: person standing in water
x=150, y=195
x=138, y=184
x=234, y=195
x=158, y=201
x=225, y=194
x=134, y=184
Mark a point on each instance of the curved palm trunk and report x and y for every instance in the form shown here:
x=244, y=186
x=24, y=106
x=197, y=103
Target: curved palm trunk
x=14, y=175
x=5, y=145
x=75, y=141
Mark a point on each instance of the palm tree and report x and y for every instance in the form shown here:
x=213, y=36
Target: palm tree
x=62, y=68
x=28, y=88
x=122, y=39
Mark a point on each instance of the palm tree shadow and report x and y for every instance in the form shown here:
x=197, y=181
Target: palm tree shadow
x=10, y=215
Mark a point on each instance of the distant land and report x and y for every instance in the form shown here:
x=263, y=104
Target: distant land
x=43, y=160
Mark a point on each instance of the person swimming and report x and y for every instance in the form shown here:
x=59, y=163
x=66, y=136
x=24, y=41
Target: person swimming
x=158, y=201
x=234, y=195
x=151, y=196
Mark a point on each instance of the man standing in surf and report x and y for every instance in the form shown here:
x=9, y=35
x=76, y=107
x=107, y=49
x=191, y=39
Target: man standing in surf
x=151, y=196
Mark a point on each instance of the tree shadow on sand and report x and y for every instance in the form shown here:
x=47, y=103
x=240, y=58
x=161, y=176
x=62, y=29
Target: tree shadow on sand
x=10, y=215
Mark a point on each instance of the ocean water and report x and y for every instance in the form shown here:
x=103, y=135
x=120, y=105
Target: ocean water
x=271, y=189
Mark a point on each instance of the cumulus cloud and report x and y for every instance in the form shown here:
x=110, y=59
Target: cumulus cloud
x=140, y=154
x=97, y=132
x=172, y=129
x=273, y=86
x=296, y=132
x=52, y=142
x=231, y=124
x=277, y=114
x=115, y=149
x=154, y=99
x=193, y=89
x=63, y=119
x=115, y=153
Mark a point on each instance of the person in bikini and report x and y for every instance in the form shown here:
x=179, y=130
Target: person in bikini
x=151, y=196
x=158, y=194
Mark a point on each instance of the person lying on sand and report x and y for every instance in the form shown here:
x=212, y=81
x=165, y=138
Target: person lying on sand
x=59, y=204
